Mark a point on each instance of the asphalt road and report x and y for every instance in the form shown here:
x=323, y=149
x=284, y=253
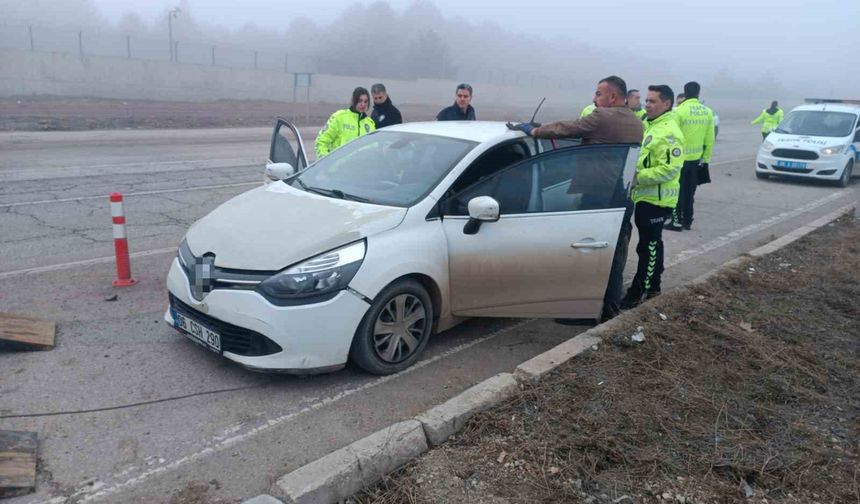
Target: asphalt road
x=129, y=411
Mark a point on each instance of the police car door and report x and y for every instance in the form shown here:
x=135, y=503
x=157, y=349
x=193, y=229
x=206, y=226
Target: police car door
x=287, y=147
x=550, y=251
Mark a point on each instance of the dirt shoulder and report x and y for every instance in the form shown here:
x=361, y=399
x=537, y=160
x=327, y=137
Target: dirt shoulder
x=748, y=391
x=50, y=113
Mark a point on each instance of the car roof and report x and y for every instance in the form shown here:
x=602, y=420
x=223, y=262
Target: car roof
x=473, y=131
x=832, y=107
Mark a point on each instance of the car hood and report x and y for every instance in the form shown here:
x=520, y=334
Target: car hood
x=275, y=226
x=786, y=141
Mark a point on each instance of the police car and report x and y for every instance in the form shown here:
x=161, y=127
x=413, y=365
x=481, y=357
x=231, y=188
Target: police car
x=819, y=140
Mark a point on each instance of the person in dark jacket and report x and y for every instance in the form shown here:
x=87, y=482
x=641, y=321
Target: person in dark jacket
x=462, y=109
x=384, y=112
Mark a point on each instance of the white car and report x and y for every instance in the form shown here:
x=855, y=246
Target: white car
x=820, y=140
x=397, y=235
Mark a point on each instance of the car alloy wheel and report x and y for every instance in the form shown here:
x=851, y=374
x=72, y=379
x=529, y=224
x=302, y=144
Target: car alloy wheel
x=399, y=328
x=395, y=330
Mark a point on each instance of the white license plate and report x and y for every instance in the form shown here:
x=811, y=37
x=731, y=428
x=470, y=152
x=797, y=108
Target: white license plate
x=197, y=332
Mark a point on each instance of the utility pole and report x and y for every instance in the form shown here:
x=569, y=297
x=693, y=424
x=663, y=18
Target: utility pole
x=170, y=15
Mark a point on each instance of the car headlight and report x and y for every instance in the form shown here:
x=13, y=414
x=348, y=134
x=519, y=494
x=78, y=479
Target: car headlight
x=832, y=151
x=767, y=146
x=317, y=276
x=183, y=253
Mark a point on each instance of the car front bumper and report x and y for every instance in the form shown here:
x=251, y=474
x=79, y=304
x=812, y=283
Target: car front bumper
x=825, y=168
x=313, y=338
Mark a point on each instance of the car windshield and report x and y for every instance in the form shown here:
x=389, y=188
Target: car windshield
x=387, y=168
x=818, y=123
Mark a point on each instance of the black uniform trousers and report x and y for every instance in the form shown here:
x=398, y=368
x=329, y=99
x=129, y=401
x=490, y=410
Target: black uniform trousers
x=649, y=222
x=689, y=182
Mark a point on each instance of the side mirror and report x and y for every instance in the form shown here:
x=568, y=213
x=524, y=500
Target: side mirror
x=481, y=209
x=278, y=171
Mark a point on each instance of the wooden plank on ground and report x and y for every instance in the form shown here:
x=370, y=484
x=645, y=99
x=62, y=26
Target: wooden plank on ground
x=17, y=463
x=19, y=332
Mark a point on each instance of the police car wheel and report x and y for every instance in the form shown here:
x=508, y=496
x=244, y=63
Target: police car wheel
x=763, y=176
x=845, y=179
x=395, y=330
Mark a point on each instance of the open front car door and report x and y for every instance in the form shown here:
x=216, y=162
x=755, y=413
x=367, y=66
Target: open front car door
x=537, y=238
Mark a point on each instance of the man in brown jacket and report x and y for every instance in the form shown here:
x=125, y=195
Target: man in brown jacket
x=611, y=122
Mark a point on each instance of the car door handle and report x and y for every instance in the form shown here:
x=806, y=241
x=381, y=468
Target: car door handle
x=590, y=245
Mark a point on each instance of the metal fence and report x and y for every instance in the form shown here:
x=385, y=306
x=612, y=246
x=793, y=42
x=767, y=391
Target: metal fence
x=92, y=42
x=146, y=47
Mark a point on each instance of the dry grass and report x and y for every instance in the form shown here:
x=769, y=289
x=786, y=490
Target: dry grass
x=749, y=387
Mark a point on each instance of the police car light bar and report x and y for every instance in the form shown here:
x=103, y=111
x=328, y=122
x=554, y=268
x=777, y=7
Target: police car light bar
x=831, y=100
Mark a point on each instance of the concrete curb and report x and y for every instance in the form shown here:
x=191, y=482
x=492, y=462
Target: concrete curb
x=534, y=369
x=446, y=419
x=345, y=472
x=263, y=499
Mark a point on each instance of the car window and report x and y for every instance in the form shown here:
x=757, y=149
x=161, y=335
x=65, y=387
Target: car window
x=817, y=123
x=558, y=143
x=285, y=147
x=582, y=178
x=386, y=167
x=489, y=163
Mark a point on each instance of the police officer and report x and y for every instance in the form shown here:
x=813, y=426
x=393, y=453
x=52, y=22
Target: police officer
x=655, y=191
x=697, y=124
x=635, y=104
x=769, y=119
x=346, y=124
x=588, y=110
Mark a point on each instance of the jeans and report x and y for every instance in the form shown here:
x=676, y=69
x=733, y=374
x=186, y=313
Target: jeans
x=615, y=287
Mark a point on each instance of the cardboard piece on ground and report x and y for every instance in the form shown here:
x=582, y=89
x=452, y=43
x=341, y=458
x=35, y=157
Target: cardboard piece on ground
x=17, y=332
x=17, y=463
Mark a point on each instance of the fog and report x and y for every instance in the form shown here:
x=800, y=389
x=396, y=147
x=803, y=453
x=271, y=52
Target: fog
x=735, y=49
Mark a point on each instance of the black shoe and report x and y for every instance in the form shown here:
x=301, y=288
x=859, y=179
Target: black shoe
x=652, y=294
x=687, y=226
x=631, y=300
x=608, y=315
x=674, y=226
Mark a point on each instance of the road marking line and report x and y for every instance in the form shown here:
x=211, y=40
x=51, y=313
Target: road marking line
x=244, y=161
x=98, y=489
x=127, y=195
x=167, y=191
x=752, y=228
x=681, y=257
x=718, y=163
x=85, y=262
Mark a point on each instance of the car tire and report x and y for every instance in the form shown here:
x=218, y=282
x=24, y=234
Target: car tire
x=760, y=175
x=845, y=179
x=405, y=309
